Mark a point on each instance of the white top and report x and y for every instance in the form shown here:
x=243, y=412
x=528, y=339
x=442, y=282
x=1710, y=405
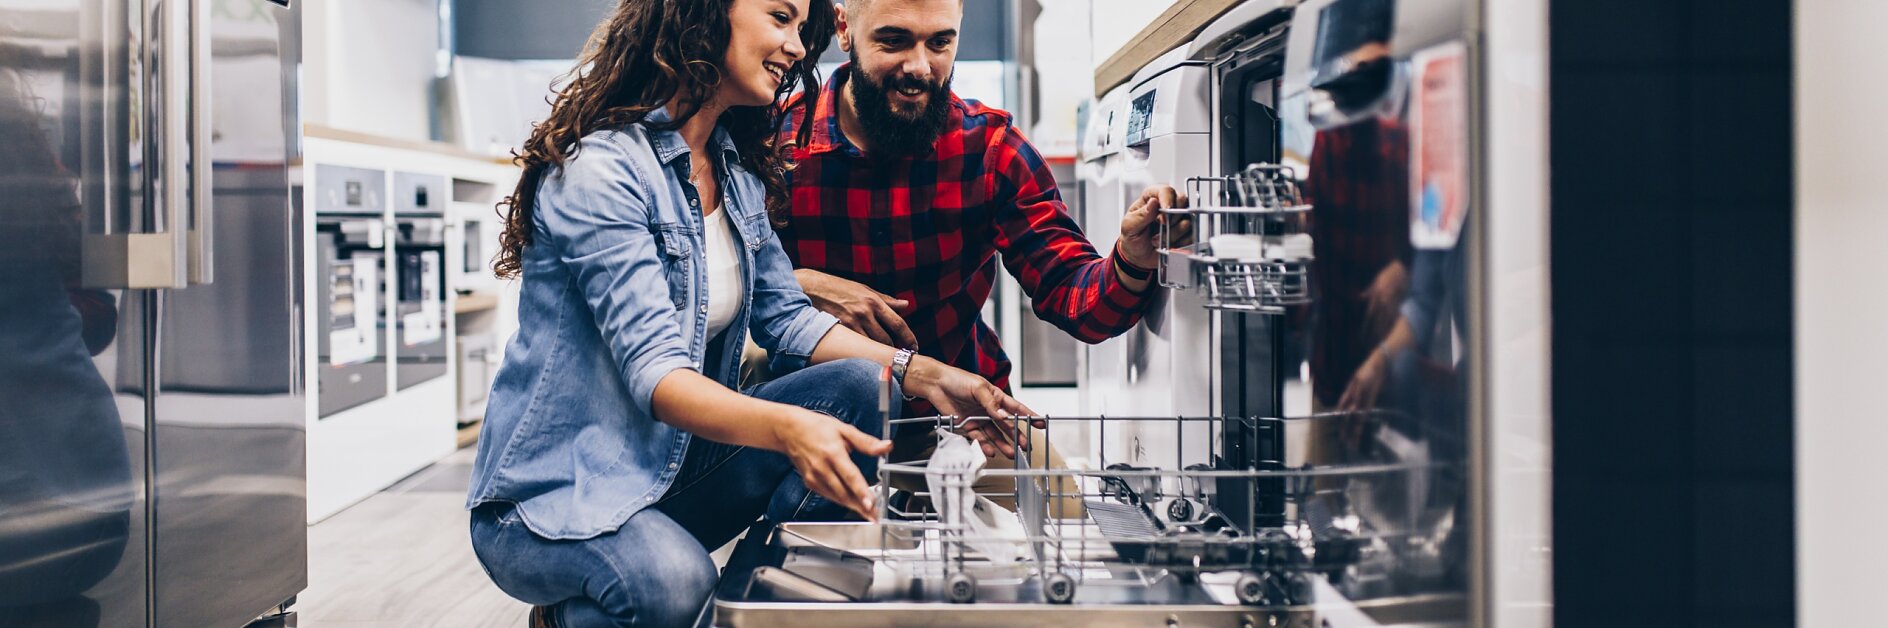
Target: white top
x=724, y=272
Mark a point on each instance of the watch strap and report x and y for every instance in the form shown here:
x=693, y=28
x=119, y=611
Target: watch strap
x=901, y=362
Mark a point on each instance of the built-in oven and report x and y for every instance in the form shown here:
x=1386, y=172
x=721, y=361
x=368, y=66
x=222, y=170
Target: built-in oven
x=350, y=249
x=419, y=278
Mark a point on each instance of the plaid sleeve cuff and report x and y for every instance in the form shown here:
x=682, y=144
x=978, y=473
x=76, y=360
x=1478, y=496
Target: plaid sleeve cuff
x=1131, y=271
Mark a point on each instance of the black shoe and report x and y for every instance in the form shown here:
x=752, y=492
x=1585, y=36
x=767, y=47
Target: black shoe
x=543, y=617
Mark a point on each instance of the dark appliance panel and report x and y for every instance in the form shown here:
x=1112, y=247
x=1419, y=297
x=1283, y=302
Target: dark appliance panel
x=419, y=277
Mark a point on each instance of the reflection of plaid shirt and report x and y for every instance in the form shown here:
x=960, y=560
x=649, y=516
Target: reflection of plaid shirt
x=927, y=229
x=1359, y=182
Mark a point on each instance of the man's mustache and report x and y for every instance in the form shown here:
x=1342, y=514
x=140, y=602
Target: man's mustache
x=902, y=82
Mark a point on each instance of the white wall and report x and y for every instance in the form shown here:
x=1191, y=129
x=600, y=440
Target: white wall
x=1064, y=71
x=1115, y=22
x=1066, y=59
x=368, y=65
x=1841, y=311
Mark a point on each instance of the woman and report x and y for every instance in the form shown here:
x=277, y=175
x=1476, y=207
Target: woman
x=615, y=455
x=66, y=492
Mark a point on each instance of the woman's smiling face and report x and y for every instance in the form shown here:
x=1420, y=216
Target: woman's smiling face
x=763, y=45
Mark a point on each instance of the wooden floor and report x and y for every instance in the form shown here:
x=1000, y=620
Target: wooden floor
x=403, y=559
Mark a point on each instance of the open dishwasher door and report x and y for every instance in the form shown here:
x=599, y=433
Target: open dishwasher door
x=1294, y=437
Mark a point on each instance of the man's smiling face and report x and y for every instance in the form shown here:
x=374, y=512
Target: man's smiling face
x=903, y=52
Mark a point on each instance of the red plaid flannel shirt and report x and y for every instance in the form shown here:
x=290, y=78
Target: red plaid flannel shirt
x=928, y=230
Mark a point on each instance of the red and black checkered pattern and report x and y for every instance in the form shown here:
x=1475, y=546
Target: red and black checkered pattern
x=928, y=229
x=1359, y=182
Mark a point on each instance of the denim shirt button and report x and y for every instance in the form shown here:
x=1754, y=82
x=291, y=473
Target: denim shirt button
x=673, y=465
x=649, y=498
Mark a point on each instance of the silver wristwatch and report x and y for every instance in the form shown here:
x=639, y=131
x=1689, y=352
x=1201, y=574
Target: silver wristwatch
x=901, y=360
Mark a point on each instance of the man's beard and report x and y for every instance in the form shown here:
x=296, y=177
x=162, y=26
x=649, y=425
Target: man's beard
x=889, y=132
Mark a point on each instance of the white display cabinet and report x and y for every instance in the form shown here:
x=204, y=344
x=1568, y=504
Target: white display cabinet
x=420, y=218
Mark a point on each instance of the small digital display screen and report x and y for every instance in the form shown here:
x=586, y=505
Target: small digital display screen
x=1140, y=117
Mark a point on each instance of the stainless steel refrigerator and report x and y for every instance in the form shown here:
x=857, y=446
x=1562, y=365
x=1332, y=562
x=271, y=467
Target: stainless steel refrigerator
x=152, y=412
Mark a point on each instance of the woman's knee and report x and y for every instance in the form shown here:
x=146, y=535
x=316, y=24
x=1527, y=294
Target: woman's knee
x=667, y=583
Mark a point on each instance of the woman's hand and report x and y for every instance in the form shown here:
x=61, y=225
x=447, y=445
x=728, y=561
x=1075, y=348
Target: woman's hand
x=1366, y=384
x=959, y=393
x=820, y=448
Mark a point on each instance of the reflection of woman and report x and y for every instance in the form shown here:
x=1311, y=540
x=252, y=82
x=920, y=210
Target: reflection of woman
x=615, y=455
x=65, y=474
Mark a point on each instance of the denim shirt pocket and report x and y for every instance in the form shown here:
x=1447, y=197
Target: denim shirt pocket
x=676, y=263
x=756, y=229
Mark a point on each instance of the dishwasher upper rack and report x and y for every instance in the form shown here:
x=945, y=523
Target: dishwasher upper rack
x=1121, y=534
x=1262, y=202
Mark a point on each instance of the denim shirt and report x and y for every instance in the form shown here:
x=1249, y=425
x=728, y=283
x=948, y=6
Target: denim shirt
x=613, y=299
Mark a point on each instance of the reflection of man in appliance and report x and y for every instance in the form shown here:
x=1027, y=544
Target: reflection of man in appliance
x=1358, y=181
x=1440, y=170
x=65, y=474
x=1418, y=362
x=908, y=196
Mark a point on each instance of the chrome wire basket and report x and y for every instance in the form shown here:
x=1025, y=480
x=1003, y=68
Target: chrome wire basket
x=1247, y=248
x=1155, y=528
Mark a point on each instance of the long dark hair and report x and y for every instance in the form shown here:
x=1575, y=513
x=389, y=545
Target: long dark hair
x=646, y=54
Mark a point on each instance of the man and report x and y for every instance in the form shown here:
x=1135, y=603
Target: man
x=906, y=195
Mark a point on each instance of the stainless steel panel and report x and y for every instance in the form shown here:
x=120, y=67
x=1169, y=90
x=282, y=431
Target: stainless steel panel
x=142, y=128
x=419, y=279
x=350, y=314
x=231, y=539
x=1388, y=338
x=419, y=201
x=420, y=194
x=73, y=370
x=344, y=190
x=350, y=205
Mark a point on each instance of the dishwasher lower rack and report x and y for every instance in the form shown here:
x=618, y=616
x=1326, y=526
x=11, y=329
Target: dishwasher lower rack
x=1017, y=601
x=1180, y=535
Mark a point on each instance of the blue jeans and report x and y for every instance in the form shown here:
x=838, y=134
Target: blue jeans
x=655, y=570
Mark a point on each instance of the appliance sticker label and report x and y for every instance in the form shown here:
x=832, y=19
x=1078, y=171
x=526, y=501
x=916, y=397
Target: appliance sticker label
x=1439, y=190
x=355, y=344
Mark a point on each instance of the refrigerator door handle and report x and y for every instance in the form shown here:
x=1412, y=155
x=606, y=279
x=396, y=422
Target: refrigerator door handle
x=150, y=255
x=172, y=74
x=201, y=241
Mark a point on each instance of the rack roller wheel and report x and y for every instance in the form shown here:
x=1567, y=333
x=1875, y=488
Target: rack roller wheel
x=960, y=588
x=1249, y=588
x=1180, y=510
x=1059, y=588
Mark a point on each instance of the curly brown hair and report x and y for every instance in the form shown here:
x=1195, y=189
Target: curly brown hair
x=648, y=53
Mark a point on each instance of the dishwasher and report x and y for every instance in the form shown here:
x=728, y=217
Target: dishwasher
x=1286, y=439
x=1147, y=547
